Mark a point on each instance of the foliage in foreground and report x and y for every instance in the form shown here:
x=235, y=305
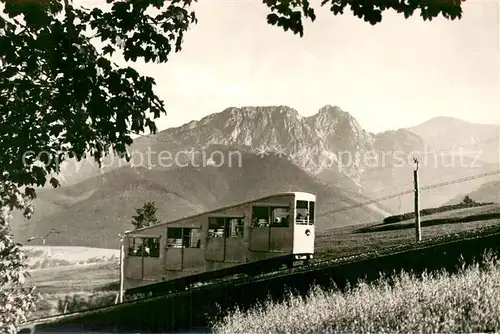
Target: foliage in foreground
x=468, y=301
x=16, y=299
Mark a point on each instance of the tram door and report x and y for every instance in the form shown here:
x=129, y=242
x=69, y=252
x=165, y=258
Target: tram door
x=259, y=232
x=216, y=239
x=280, y=229
x=271, y=229
x=174, y=250
x=135, y=259
x=225, y=239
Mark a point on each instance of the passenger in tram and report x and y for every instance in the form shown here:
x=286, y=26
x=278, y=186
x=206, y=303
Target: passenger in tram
x=239, y=228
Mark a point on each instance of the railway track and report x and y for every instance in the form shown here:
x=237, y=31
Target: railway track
x=243, y=279
x=329, y=261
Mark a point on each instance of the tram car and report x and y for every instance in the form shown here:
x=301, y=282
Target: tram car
x=277, y=227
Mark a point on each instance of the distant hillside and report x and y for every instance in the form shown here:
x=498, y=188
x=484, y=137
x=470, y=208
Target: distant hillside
x=394, y=180
x=476, y=140
x=96, y=220
x=487, y=192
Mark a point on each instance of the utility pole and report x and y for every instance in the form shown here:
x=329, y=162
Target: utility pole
x=122, y=264
x=48, y=253
x=122, y=236
x=418, y=232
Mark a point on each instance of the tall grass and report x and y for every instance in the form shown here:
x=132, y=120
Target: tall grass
x=50, y=304
x=81, y=302
x=468, y=301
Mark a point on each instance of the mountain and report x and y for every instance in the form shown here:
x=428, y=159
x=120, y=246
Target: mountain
x=475, y=151
x=331, y=142
x=107, y=202
x=487, y=192
x=330, y=145
x=481, y=141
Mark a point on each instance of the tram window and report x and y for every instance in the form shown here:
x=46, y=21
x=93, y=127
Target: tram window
x=302, y=213
x=183, y=237
x=235, y=227
x=225, y=227
x=192, y=237
x=311, y=213
x=145, y=247
x=135, y=247
x=260, y=216
x=151, y=247
x=216, y=227
x=280, y=217
x=174, y=237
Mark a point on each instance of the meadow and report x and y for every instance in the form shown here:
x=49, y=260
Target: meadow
x=67, y=276
x=468, y=301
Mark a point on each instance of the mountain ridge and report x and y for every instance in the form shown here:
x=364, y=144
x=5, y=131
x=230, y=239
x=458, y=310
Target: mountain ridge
x=314, y=143
x=330, y=147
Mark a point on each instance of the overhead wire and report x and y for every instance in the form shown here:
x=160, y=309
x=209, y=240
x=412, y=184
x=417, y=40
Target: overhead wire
x=380, y=199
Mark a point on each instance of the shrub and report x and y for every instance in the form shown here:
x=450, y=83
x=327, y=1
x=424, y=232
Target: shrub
x=80, y=302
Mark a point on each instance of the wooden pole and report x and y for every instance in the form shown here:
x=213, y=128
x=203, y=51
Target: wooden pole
x=418, y=232
x=121, y=267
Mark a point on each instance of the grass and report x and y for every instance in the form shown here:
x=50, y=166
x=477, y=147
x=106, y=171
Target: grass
x=438, y=303
x=70, y=269
x=66, y=279
x=370, y=237
x=60, y=303
x=85, y=281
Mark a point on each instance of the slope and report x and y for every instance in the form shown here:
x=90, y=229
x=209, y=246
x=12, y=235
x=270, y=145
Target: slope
x=487, y=192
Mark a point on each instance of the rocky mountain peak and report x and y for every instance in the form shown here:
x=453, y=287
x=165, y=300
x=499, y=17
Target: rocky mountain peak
x=333, y=120
x=316, y=143
x=332, y=111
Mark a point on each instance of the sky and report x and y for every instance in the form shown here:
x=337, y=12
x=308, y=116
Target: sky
x=398, y=73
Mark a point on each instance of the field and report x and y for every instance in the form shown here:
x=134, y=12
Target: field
x=64, y=272
x=84, y=271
